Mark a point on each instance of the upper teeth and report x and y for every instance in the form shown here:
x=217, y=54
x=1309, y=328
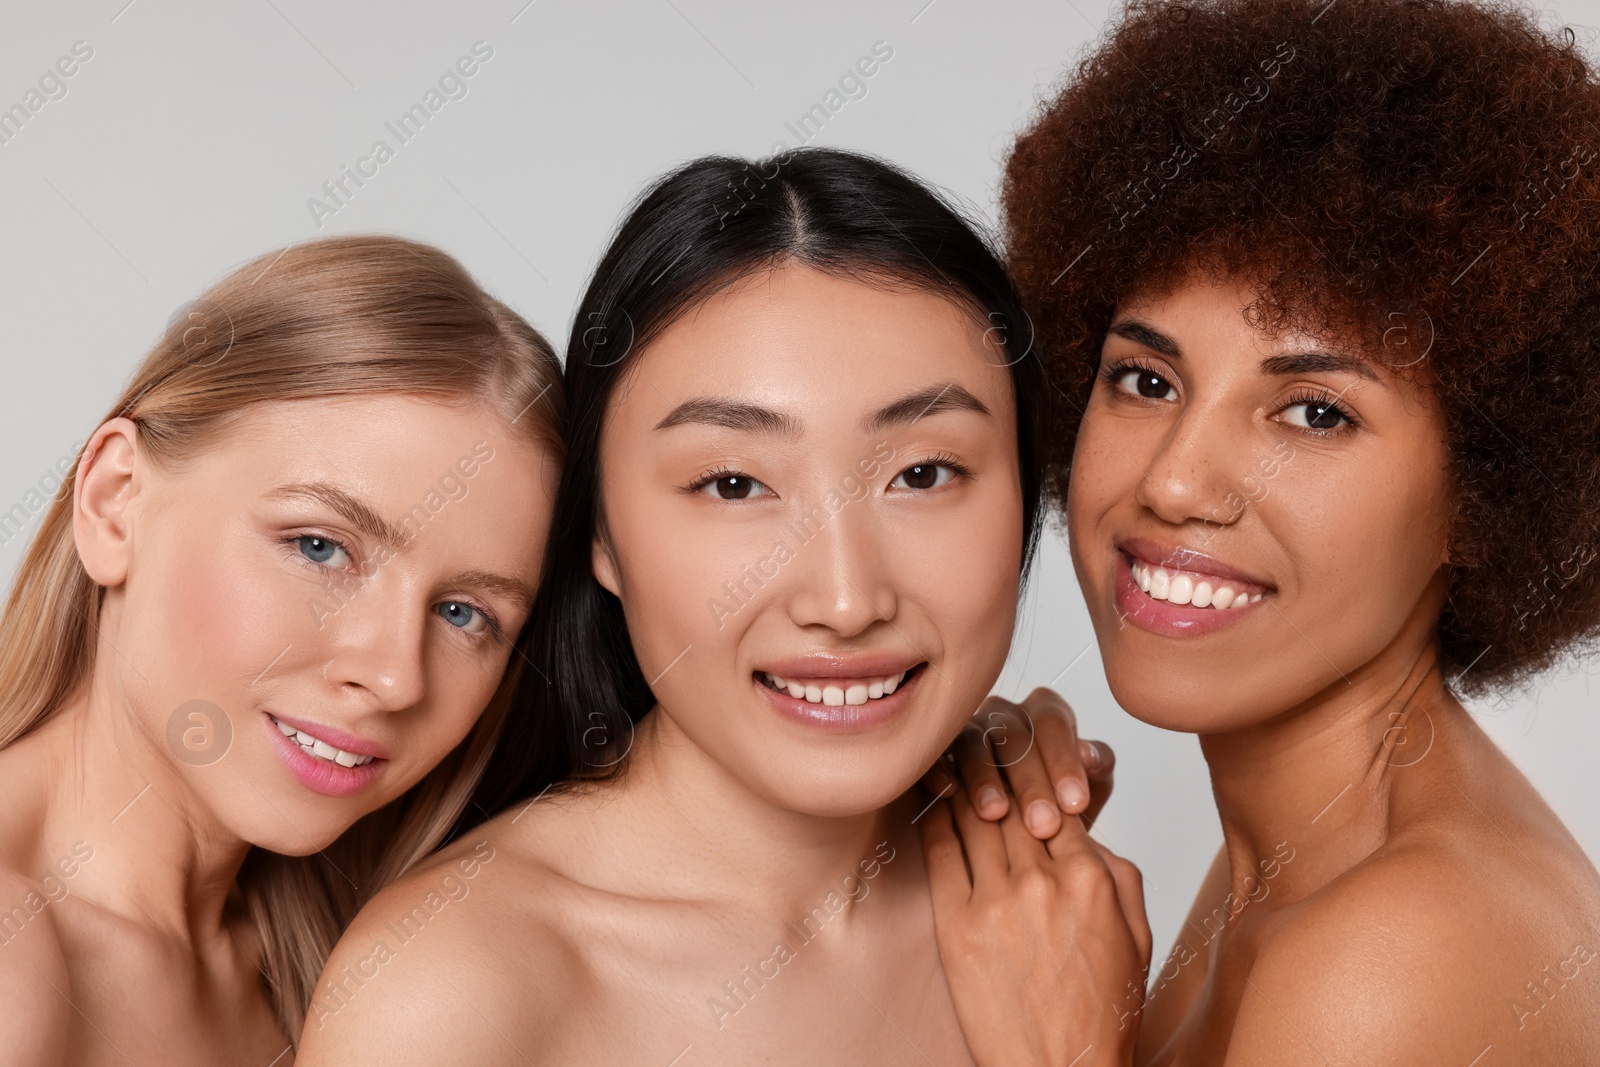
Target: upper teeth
x=316, y=746
x=1178, y=587
x=853, y=691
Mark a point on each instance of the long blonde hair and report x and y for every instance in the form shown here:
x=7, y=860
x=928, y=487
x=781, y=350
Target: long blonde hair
x=335, y=317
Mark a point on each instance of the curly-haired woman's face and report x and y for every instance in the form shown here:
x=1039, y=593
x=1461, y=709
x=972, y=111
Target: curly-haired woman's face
x=813, y=518
x=1254, y=516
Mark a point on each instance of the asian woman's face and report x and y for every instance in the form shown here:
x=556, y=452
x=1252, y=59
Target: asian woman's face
x=812, y=514
x=317, y=609
x=1254, y=516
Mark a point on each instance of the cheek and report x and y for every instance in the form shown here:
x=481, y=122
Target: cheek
x=217, y=609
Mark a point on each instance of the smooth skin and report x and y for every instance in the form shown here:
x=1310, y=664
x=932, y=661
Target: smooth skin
x=637, y=921
x=1390, y=888
x=143, y=953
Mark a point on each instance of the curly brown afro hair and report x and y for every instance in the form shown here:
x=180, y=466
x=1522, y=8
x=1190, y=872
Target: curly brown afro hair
x=1424, y=172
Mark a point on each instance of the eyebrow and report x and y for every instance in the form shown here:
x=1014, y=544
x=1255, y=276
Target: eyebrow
x=924, y=402
x=752, y=418
x=352, y=509
x=731, y=414
x=1141, y=333
x=511, y=588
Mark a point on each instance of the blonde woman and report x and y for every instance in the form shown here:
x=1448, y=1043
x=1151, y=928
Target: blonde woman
x=245, y=667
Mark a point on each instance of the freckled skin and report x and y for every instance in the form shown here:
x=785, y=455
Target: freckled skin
x=612, y=920
x=144, y=953
x=1426, y=882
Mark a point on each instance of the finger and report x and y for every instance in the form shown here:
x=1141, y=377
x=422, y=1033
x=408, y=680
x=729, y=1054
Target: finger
x=976, y=763
x=1023, y=848
x=985, y=848
x=1022, y=756
x=1130, y=895
x=1056, y=730
x=948, y=880
x=1100, y=761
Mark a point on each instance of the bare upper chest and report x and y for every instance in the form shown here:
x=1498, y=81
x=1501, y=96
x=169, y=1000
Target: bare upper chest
x=136, y=999
x=857, y=982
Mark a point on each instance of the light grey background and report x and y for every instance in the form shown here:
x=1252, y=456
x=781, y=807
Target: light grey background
x=195, y=136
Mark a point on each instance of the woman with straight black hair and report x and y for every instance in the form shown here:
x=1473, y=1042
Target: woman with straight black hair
x=800, y=497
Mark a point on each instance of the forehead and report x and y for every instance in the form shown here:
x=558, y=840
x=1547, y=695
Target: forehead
x=798, y=336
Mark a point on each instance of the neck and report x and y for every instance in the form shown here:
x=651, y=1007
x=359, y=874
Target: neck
x=1319, y=781
x=158, y=856
x=747, y=844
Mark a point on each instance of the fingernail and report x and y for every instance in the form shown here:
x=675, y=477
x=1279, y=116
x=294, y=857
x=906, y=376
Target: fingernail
x=1073, y=798
x=989, y=798
x=1090, y=753
x=1038, y=817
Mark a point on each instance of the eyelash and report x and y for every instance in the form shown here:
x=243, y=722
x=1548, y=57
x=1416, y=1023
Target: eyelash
x=292, y=543
x=710, y=476
x=941, y=459
x=1319, y=397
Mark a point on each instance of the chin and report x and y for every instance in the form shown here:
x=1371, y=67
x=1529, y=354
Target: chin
x=1175, y=703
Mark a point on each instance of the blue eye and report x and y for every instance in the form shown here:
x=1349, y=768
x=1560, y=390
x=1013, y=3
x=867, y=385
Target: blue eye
x=320, y=549
x=463, y=616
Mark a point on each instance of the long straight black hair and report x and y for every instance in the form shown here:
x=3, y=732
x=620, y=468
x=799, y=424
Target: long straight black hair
x=691, y=234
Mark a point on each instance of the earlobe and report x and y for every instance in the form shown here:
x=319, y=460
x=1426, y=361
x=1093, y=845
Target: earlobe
x=103, y=489
x=604, y=564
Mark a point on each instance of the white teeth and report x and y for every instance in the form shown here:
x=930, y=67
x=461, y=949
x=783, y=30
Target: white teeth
x=315, y=746
x=1160, y=583
x=833, y=696
x=1182, y=589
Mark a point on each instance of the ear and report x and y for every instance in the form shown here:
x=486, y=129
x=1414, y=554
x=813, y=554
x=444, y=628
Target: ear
x=604, y=563
x=106, y=484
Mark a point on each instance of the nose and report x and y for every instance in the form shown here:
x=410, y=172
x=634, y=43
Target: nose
x=378, y=644
x=1190, y=475
x=839, y=578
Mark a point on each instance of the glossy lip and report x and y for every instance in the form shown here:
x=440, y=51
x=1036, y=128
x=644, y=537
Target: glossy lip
x=319, y=775
x=1174, y=557
x=845, y=718
x=335, y=737
x=825, y=666
x=1168, y=619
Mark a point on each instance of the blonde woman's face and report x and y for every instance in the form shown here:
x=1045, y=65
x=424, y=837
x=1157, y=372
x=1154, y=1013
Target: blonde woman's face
x=317, y=610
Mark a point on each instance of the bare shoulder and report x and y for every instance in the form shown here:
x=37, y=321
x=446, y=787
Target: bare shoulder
x=1433, y=950
x=463, y=959
x=35, y=985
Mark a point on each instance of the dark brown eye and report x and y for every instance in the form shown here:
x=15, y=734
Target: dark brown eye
x=923, y=476
x=1143, y=383
x=732, y=487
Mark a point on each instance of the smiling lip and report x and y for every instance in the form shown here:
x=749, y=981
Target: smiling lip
x=320, y=775
x=1174, y=557
x=1166, y=619
x=841, y=718
x=336, y=737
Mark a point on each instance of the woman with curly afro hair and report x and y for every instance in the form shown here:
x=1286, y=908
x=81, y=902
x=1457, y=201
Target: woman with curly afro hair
x=1315, y=285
